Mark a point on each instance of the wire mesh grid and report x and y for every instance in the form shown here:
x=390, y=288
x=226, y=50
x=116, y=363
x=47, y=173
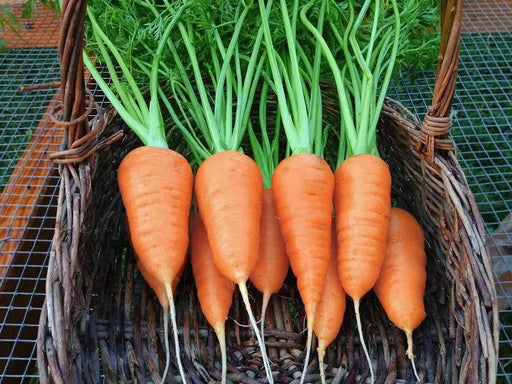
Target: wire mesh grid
x=482, y=131
x=28, y=190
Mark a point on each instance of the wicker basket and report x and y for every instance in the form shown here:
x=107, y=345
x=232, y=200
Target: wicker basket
x=101, y=322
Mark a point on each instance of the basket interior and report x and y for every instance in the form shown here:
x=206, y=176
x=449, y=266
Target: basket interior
x=118, y=320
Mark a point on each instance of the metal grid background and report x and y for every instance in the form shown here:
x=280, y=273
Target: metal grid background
x=482, y=131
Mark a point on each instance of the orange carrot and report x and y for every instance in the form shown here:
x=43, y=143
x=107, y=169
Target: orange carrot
x=303, y=188
x=229, y=192
x=272, y=265
x=214, y=290
x=156, y=188
x=362, y=203
x=331, y=308
x=401, y=284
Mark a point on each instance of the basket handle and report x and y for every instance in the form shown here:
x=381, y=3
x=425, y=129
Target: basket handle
x=437, y=122
x=72, y=85
x=77, y=102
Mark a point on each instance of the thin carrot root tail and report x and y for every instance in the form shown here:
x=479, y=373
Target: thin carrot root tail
x=321, y=356
x=221, y=336
x=167, y=348
x=264, y=305
x=308, y=350
x=170, y=297
x=361, y=337
x=410, y=355
x=254, y=325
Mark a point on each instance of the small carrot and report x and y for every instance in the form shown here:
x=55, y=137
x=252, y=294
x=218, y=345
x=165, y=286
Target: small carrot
x=214, y=290
x=156, y=188
x=303, y=190
x=303, y=183
x=362, y=203
x=272, y=265
x=363, y=183
x=229, y=184
x=401, y=284
x=331, y=308
x=155, y=182
x=229, y=192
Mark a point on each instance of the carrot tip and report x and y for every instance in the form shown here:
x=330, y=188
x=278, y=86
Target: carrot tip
x=175, y=331
x=221, y=336
x=321, y=355
x=245, y=297
x=308, y=351
x=361, y=337
x=410, y=354
x=166, y=341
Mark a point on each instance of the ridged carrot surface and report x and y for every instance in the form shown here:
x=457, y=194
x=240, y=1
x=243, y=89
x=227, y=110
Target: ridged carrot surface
x=156, y=188
x=362, y=206
x=303, y=190
x=229, y=191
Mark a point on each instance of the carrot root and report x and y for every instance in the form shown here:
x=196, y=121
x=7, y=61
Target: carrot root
x=361, y=337
x=264, y=305
x=410, y=355
x=167, y=348
x=245, y=297
x=321, y=356
x=175, y=331
x=308, y=350
x=221, y=336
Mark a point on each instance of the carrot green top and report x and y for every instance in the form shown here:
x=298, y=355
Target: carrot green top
x=213, y=121
x=363, y=81
x=265, y=151
x=296, y=82
x=145, y=121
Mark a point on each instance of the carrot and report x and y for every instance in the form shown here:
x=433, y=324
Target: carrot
x=331, y=308
x=362, y=204
x=229, y=192
x=303, y=190
x=272, y=265
x=303, y=183
x=401, y=284
x=156, y=188
x=214, y=290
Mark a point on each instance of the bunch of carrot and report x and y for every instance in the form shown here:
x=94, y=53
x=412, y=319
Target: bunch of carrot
x=259, y=215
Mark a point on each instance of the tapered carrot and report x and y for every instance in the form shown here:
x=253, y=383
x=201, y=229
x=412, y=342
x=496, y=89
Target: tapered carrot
x=401, y=284
x=272, y=265
x=214, y=290
x=331, y=308
x=303, y=190
x=156, y=188
x=229, y=192
x=362, y=203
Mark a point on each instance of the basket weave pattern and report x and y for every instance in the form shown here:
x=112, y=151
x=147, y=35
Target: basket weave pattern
x=101, y=319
